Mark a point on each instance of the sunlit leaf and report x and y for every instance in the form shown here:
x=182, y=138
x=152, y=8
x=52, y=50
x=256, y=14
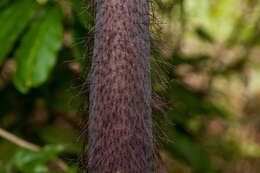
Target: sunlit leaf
x=13, y=20
x=37, y=53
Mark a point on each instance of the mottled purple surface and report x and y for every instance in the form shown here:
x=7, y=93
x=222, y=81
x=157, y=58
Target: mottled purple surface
x=120, y=123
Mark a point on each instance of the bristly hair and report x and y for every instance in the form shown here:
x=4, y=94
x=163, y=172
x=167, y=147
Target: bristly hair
x=158, y=74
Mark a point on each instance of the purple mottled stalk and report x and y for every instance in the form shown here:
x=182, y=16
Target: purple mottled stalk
x=120, y=123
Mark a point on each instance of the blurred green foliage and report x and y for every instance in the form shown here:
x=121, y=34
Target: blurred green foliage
x=28, y=161
x=205, y=76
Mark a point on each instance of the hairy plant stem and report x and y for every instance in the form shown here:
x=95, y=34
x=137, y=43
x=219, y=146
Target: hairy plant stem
x=120, y=123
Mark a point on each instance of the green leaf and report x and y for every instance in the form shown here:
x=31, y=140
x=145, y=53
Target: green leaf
x=13, y=21
x=179, y=59
x=204, y=35
x=192, y=103
x=3, y=3
x=73, y=169
x=37, y=53
x=187, y=150
x=28, y=161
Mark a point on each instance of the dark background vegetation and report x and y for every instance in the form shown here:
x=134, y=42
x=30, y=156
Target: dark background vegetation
x=206, y=80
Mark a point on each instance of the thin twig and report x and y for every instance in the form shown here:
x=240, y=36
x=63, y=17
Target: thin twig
x=25, y=144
